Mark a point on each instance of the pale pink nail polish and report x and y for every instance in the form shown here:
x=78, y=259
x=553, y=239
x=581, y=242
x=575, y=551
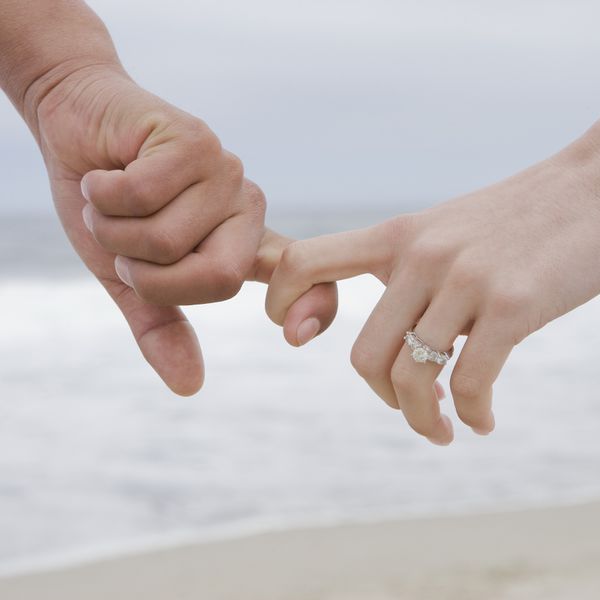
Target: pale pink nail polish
x=438, y=442
x=486, y=430
x=307, y=330
x=481, y=431
x=440, y=392
x=445, y=433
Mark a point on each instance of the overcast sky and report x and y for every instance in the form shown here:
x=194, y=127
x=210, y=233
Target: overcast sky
x=355, y=103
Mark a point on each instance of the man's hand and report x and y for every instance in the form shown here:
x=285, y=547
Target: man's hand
x=150, y=182
x=159, y=212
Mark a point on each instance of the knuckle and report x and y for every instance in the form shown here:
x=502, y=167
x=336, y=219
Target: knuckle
x=227, y=281
x=233, y=167
x=470, y=399
x=464, y=275
x=163, y=247
x=294, y=258
x=203, y=144
x=466, y=388
x=255, y=197
x=394, y=232
x=206, y=143
x=363, y=361
x=410, y=276
x=140, y=197
x=399, y=227
x=402, y=382
x=426, y=253
x=509, y=301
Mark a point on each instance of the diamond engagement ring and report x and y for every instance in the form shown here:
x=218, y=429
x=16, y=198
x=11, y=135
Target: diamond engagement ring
x=422, y=353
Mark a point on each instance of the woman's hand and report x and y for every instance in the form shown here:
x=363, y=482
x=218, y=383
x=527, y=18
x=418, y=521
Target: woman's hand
x=495, y=265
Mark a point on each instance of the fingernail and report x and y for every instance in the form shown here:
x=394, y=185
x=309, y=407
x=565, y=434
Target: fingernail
x=438, y=442
x=486, y=430
x=84, y=189
x=440, y=392
x=307, y=330
x=86, y=213
x=444, y=434
x=480, y=431
x=122, y=269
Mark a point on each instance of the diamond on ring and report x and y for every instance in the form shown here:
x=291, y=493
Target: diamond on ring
x=422, y=353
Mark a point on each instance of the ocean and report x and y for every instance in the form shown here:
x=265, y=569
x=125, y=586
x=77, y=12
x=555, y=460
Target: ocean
x=97, y=456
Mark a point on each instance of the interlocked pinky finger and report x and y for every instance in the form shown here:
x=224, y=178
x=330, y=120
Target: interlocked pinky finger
x=476, y=370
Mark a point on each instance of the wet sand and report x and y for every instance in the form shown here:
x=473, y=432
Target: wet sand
x=547, y=554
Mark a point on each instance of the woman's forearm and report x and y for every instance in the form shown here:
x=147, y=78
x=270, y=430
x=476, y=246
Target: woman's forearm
x=44, y=41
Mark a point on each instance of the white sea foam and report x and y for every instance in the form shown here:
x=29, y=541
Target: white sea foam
x=95, y=453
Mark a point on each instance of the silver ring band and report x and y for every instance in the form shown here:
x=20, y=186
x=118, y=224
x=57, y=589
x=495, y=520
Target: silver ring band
x=423, y=353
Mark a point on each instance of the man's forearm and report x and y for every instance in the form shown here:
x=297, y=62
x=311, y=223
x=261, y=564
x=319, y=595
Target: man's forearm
x=44, y=41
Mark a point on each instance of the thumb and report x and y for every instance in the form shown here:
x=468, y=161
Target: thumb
x=165, y=337
x=314, y=311
x=163, y=334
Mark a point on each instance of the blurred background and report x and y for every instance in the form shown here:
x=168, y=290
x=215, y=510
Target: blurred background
x=345, y=112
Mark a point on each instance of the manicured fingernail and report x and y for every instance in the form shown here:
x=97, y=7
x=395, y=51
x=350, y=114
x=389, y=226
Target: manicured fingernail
x=444, y=433
x=122, y=269
x=438, y=442
x=84, y=189
x=440, y=392
x=307, y=330
x=486, y=430
x=86, y=213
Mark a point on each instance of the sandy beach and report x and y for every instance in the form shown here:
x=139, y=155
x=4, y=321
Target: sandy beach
x=547, y=554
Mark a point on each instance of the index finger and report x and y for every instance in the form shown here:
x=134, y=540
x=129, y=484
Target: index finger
x=146, y=184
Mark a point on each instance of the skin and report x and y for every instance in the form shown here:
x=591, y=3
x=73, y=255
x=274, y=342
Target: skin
x=158, y=211
x=495, y=265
